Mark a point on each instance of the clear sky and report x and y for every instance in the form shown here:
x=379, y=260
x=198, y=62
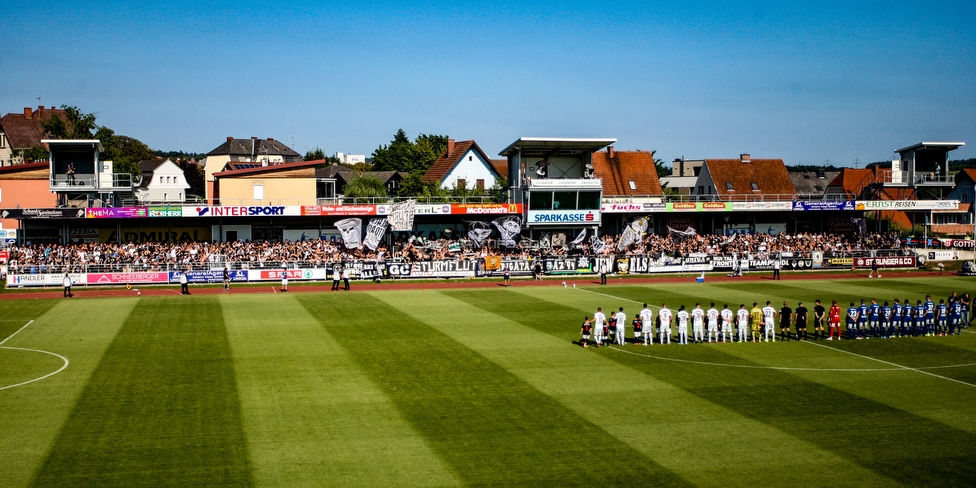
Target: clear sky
x=825, y=80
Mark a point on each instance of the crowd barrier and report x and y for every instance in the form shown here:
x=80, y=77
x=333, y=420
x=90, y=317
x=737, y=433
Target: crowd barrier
x=462, y=268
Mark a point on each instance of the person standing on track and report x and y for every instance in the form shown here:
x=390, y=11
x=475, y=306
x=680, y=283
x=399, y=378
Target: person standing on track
x=507, y=275
x=664, y=327
x=66, y=283
x=776, y=268
x=603, y=273
x=599, y=322
x=226, y=279
x=284, y=280
x=184, y=289
x=345, y=276
x=336, y=277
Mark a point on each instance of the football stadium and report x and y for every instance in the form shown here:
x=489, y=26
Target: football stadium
x=471, y=383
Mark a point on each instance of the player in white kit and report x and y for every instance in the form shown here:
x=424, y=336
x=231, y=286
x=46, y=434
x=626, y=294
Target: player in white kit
x=698, y=319
x=599, y=322
x=726, y=324
x=742, y=321
x=769, y=318
x=712, y=316
x=647, y=325
x=664, y=317
x=682, y=325
x=621, y=321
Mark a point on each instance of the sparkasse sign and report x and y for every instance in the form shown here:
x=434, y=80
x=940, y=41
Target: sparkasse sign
x=585, y=217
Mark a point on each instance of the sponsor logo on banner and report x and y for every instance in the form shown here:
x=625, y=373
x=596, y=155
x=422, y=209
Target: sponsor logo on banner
x=4, y=256
x=443, y=269
x=125, y=278
x=712, y=206
x=164, y=211
x=209, y=276
x=963, y=243
x=907, y=205
x=942, y=255
x=564, y=217
x=116, y=213
x=432, y=210
x=577, y=265
x=622, y=207
x=684, y=206
x=486, y=208
x=293, y=274
x=623, y=266
x=782, y=206
x=46, y=279
x=42, y=213
x=846, y=262
x=819, y=205
x=887, y=262
x=256, y=211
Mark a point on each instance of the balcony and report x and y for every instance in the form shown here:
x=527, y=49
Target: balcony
x=903, y=178
x=89, y=182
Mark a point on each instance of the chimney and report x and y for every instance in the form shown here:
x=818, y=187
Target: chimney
x=28, y=112
x=230, y=138
x=271, y=138
x=450, y=146
x=611, y=153
x=745, y=158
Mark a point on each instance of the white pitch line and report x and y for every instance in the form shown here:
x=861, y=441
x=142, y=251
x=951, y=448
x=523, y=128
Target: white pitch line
x=892, y=364
x=750, y=366
x=618, y=298
x=15, y=333
x=62, y=368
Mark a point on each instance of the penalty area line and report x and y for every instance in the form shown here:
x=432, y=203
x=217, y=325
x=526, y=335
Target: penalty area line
x=15, y=333
x=893, y=364
x=62, y=368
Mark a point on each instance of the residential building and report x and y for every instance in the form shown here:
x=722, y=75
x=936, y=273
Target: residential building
x=259, y=152
x=627, y=173
x=812, y=185
x=350, y=159
x=162, y=181
x=19, y=131
x=343, y=175
x=744, y=179
x=293, y=183
x=463, y=165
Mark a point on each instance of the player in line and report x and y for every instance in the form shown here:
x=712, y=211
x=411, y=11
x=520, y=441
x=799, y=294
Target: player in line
x=769, y=319
x=698, y=318
x=585, y=331
x=742, y=321
x=726, y=324
x=647, y=326
x=664, y=319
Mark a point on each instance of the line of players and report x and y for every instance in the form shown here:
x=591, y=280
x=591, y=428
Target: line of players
x=758, y=324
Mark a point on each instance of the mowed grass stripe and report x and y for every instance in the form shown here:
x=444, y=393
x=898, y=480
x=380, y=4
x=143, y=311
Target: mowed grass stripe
x=701, y=440
x=31, y=416
x=311, y=416
x=873, y=434
x=16, y=313
x=161, y=409
x=489, y=426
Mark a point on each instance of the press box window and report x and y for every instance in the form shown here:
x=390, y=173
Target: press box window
x=589, y=200
x=540, y=200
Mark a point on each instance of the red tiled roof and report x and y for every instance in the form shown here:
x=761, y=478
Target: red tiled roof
x=271, y=168
x=501, y=166
x=450, y=158
x=770, y=176
x=625, y=167
x=853, y=180
x=25, y=132
x=968, y=172
x=19, y=168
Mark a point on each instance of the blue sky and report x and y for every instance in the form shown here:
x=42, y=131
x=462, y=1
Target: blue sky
x=826, y=80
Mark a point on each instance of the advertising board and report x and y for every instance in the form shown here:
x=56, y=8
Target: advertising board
x=564, y=217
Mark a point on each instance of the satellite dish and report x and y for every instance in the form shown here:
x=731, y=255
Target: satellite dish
x=137, y=180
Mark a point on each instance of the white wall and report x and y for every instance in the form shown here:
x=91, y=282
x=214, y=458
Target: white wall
x=173, y=186
x=470, y=168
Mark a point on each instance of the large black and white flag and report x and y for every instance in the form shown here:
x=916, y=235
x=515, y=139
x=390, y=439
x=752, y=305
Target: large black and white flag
x=374, y=232
x=478, y=231
x=401, y=216
x=579, y=239
x=351, y=231
x=632, y=233
x=509, y=227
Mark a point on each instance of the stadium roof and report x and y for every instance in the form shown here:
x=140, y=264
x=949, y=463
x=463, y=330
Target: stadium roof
x=547, y=146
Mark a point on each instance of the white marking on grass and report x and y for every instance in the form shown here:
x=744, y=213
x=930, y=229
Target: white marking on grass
x=62, y=368
x=917, y=370
x=15, y=333
x=273, y=290
x=618, y=298
x=751, y=366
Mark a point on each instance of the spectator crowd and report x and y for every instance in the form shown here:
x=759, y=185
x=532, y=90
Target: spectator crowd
x=81, y=257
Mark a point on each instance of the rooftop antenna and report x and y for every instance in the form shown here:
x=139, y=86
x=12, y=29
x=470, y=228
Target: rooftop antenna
x=293, y=136
x=857, y=162
x=38, y=101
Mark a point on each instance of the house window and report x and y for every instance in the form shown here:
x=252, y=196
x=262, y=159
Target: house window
x=470, y=158
x=728, y=186
x=3, y=140
x=479, y=184
x=259, y=192
x=701, y=190
x=633, y=186
x=755, y=186
x=160, y=180
x=461, y=183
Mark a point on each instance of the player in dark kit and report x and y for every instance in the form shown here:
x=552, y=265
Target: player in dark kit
x=941, y=318
x=637, y=328
x=874, y=318
x=818, y=320
x=852, y=315
x=801, y=322
x=862, y=319
x=956, y=317
x=896, y=314
x=785, y=315
x=585, y=331
x=920, y=319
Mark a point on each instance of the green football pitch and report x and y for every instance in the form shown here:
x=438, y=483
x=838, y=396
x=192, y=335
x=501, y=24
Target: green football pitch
x=455, y=387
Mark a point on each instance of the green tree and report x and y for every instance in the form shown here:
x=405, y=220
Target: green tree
x=72, y=123
x=662, y=170
x=365, y=186
x=34, y=154
x=414, y=186
x=315, y=154
x=124, y=152
x=403, y=155
x=194, y=176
